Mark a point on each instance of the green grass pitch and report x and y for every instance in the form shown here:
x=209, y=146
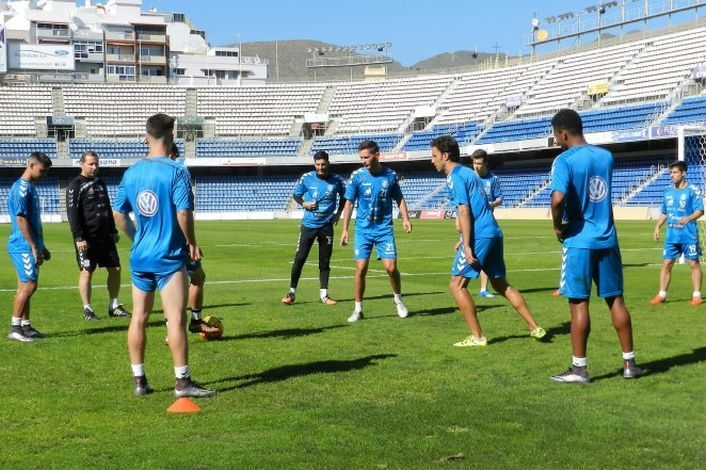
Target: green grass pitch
x=300, y=388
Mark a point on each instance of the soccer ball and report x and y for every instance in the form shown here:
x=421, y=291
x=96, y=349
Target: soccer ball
x=212, y=328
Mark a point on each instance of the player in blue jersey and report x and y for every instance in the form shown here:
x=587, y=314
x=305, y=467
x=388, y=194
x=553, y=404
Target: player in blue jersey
x=320, y=194
x=682, y=205
x=26, y=244
x=491, y=185
x=158, y=192
x=581, y=196
x=373, y=188
x=481, y=246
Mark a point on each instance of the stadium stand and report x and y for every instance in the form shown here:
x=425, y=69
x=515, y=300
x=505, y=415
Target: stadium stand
x=21, y=148
x=121, y=109
x=258, y=111
x=627, y=117
x=248, y=193
x=48, y=190
x=20, y=106
x=692, y=109
x=247, y=148
x=383, y=106
x=113, y=148
x=463, y=133
x=517, y=130
x=349, y=144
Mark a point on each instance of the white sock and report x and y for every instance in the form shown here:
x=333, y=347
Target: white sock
x=25, y=323
x=696, y=294
x=323, y=293
x=181, y=372
x=16, y=321
x=88, y=306
x=663, y=294
x=138, y=370
x=398, y=298
x=358, y=307
x=293, y=291
x=114, y=304
x=629, y=356
x=578, y=361
x=196, y=313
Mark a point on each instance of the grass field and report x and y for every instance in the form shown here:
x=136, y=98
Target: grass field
x=300, y=388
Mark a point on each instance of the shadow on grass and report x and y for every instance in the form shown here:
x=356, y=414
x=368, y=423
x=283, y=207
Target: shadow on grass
x=389, y=296
x=241, y=304
x=279, y=374
x=285, y=333
x=635, y=265
x=538, y=289
x=102, y=329
x=662, y=365
x=447, y=310
x=563, y=329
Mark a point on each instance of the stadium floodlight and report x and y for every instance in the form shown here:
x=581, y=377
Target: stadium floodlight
x=591, y=9
x=550, y=19
x=565, y=16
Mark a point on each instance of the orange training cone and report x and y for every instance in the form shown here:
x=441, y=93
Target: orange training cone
x=184, y=405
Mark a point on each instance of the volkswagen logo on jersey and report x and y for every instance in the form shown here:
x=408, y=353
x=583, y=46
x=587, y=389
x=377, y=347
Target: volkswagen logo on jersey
x=147, y=203
x=597, y=189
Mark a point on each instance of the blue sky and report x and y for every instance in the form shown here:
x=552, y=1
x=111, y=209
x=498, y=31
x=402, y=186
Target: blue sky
x=416, y=28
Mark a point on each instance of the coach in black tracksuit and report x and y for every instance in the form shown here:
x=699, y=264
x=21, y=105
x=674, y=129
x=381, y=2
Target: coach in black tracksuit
x=94, y=234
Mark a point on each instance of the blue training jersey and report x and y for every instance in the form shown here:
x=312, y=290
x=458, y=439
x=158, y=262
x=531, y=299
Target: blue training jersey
x=678, y=203
x=584, y=174
x=155, y=189
x=327, y=192
x=24, y=201
x=374, y=194
x=466, y=188
x=491, y=185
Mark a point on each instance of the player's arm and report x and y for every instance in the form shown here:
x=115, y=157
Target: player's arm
x=406, y=223
x=347, y=214
x=693, y=216
x=464, y=215
x=497, y=191
x=660, y=221
x=124, y=222
x=308, y=206
x=185, y=218
x=23, y=225
x=557, y=206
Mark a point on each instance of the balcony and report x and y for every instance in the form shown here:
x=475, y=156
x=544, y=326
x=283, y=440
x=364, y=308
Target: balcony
x=146, y=37
x=120, y=36
x=153, y=79
x=53, y=35
x=120, y=58
x=153, y=60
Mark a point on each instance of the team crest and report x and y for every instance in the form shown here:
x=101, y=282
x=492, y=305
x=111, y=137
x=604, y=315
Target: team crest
x=147, y=203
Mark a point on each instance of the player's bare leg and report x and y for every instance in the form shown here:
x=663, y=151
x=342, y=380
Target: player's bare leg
x=696, y=280
x=361, y=270
x=459, y=289
x=173, y=297
x=580, y=326
x=137, y=338
x=25, y=291
x=85, y=278
x=390, y=265
x=115, y=308
x=665, y=278
x=484, y=285
x=197, y=281
x=516, y=299
x=623, y=326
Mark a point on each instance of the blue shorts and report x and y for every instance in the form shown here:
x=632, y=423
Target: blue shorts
x=148, y=282
x=26, y=266
x=488, y=252
x=384, y=245
x=192, y=267
x=580, y=266
x=672, y=251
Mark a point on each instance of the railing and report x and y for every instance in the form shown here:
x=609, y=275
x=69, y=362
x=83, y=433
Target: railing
x=120, y=36
x=151, y=37
x=120, y=57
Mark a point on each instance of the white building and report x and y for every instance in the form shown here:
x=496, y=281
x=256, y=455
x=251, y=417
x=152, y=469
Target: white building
x=115, y=42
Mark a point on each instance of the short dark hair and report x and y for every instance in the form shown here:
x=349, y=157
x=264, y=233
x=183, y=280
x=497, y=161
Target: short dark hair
x=321, y=155
x=174, y=150
x=160, y=126
x=40, y=157
x=480, y=154
x=88, y=153
x=568, y=120
x=678, y=164
x=369, y=145
x=447, y=144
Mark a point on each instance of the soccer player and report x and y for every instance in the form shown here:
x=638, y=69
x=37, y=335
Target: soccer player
x=491, y=185
x=158, y=192
x=581, y=195
x=320, y=194
x=481, y=246
x=94, y=234
x=197, y=279
x=25, y=244
x=373, y=188
x=682, y=205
